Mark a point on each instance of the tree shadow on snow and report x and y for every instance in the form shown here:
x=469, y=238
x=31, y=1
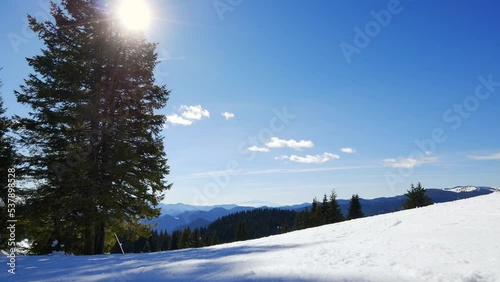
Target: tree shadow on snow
x=220, y=263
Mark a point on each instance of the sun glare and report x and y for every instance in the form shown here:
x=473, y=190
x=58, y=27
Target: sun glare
x=134, y=14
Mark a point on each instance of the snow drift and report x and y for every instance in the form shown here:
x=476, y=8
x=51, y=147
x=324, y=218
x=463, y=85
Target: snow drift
x=455, y=241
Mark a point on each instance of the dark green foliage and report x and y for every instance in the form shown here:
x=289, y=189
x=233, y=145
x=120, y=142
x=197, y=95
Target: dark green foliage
x=334, y=213
x=417, y=197
x=147, y=247
x=185, y=239
x=314, y=217
x=154, y=243
x=256, y=223
x=214, y=240
x=325, y=213
x=241, y=226
x=164, y=241
x=355, y=210
x=161, y=241
x=196, y=240
x=93, y=136
x=174, y=240
x=241, y=233
x=302, y=219
x=211, y=240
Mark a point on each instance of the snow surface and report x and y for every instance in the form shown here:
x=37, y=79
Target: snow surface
x=455, y=241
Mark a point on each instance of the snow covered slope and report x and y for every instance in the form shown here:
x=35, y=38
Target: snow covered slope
x=455, y=241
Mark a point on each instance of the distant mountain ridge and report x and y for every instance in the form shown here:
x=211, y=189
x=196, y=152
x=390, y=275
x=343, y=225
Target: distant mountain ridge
x=179, y=208
x=178, y=216
x=193, y=216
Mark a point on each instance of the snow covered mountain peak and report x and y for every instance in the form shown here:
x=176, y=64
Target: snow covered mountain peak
x=459, y=189
x=470, y=188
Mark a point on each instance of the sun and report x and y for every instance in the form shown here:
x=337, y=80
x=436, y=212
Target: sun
x=134, y=14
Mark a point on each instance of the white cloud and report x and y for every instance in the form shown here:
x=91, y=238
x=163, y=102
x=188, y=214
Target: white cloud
x=194, y=112
x=309, y=159
x=258, y=149
x=188, y=114
x=494, y=156
x=270, y=171
x=348, y=150
x=409, y=162
x=283, y=157
x=281, y=143
x=176, y=119
x=228, y=115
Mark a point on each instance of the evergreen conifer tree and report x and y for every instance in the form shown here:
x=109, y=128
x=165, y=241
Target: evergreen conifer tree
x=93, y=134
x=241, y=233
x=300, y=221
x=165, y=240
x=324, y=211
x=355, y=210
x=315, y=213
x=196, y=238
x=214, y=240
x=154, y=241
x=334, y=211
x=417, y=197
x=147, y=247
x=174, y=240
x=185, y=239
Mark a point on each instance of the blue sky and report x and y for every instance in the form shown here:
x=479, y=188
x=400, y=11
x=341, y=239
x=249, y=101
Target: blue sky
x=358, y=96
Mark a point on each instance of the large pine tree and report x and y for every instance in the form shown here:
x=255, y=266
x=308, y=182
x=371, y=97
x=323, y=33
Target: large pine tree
x=334, y=211
x=315, y=215
x=417, y=197
x=355, y=210
x=93, y=134
x=324, y=210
